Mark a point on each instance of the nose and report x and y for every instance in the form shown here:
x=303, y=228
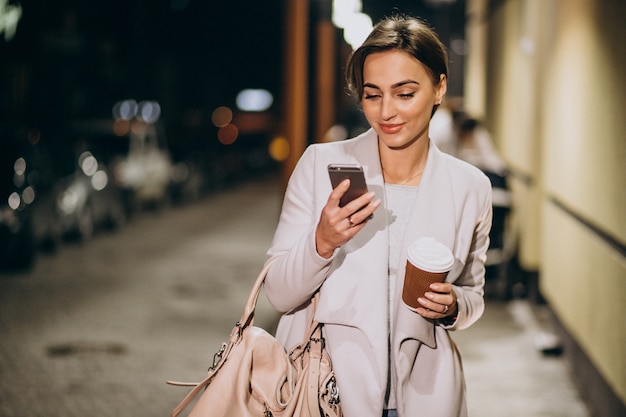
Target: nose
x=387, y=108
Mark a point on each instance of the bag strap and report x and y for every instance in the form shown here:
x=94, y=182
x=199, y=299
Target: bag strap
x=313, y=330
x=197, y=388
x=247, y=318
x=316, y=346
x=313, y=337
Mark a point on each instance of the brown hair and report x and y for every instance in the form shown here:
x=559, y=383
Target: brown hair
x=406, y=34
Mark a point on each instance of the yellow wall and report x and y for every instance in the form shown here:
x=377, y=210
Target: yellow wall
x=585, y=282
x=555, y=100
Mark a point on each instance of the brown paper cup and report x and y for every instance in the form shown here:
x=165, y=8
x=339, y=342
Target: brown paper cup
x=428, y=261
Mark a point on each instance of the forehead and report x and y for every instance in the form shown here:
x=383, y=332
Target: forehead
x=389, y=67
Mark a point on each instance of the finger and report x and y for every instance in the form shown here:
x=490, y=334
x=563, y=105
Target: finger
x=338, y=192
x=441, y=287
x=361, y=209
x=360, y=202
x=442, y=293
x=439, y=299
x=429, y=314
x=430, y=305
x=366, y=213
x=353, y=229
x=434, y=309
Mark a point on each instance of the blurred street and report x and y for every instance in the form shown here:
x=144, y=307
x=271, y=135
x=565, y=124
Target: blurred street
x=96, y=329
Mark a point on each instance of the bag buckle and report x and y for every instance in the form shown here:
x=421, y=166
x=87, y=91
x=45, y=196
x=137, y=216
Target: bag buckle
x=218, y=356
x=316, y=340
x=333, y=390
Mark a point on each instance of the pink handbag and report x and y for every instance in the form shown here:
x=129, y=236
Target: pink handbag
x=252, y=374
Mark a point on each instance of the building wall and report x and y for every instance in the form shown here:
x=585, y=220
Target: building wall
x=554, y=97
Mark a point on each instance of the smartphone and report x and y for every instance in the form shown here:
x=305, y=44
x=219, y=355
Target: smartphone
x=358, y=186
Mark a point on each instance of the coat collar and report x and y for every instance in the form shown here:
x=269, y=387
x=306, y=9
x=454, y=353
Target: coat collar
x=434, y=213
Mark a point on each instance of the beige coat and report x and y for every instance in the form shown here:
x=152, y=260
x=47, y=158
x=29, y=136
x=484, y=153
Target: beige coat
x=453, y=206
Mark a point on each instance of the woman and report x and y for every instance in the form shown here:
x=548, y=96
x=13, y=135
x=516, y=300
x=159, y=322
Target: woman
x=386, y=356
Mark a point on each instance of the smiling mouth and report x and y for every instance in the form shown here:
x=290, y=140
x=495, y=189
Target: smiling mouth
x=390, y=128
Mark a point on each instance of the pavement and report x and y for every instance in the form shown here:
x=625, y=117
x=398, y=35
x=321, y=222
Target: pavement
x=77, y=341
x=509, y=371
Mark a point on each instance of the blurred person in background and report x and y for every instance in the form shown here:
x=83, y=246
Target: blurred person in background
x=456, y=132
x=389, y=360
x=475, y=146
x=443, y=125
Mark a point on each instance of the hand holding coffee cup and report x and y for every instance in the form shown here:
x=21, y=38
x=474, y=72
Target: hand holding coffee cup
x=428, y=261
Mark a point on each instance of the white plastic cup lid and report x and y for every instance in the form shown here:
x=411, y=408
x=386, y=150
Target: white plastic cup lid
x=430, y=255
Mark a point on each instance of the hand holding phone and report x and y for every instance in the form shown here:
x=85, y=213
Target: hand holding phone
x=336, y=226
x=353, y=172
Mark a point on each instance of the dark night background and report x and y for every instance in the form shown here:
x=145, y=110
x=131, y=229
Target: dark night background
x=72, y=60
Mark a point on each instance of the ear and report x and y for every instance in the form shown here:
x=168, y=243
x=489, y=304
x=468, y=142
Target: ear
x=441, y=88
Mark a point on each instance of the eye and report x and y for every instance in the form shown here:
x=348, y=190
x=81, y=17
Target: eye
x=406, y=96
x=370, y=96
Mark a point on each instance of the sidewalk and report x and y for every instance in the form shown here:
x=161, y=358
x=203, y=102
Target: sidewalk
x=506, y=374
x=98, y=329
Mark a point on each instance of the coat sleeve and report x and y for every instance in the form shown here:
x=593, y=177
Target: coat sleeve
x=300, y=271
x=469, y=287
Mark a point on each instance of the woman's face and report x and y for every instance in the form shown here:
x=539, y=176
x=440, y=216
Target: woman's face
x=398, y=97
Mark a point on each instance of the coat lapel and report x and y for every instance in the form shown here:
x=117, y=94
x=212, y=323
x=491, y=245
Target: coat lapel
x=433, y=216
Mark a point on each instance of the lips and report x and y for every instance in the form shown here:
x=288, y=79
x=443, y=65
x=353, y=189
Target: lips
x=386, y=128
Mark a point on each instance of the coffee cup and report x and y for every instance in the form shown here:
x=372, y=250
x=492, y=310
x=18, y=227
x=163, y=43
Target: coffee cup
x=428, y=261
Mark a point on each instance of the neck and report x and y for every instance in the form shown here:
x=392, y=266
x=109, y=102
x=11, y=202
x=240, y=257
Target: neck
x=403, y=167
x=412, y=178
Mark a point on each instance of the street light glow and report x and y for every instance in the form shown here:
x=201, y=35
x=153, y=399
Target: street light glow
x=344, y=10
x=254, y=100
x=356, y=33
x=356, y=25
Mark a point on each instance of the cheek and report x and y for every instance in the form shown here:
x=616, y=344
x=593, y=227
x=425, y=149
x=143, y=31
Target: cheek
x=415, y=109
x=408, y=112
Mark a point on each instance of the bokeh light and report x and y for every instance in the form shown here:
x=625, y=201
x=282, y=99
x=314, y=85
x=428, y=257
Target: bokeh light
x=14, y=200
x=99, y=180
x=343, y=11
x=19, y=166
x=121, y=127
x=347, y=15
x=149, y=111
x=28, y=195
x=88, y=163
x=356, y=33
x=222, y=116
x=279, y=149
x=10, y=15
x=139, y=128
x=336, y=133
x=126, y=109
x=228, y=134
x=254, y=100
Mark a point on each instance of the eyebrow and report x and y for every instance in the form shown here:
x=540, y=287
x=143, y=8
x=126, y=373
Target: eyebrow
x=396, y=85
